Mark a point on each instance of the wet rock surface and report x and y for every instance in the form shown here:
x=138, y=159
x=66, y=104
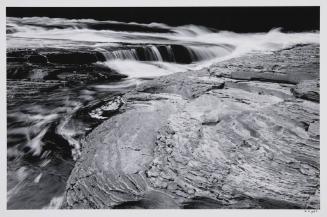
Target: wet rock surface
x=72, y=66
x=242, y=134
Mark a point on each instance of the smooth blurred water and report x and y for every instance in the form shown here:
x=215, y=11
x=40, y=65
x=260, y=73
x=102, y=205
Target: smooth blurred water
x=44, y=131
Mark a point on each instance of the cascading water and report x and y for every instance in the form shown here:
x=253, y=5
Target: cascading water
x=121, y=54
x=153, y=53
x=209, y=52
x=45, y=125
x=155, y=60
x=167, y=53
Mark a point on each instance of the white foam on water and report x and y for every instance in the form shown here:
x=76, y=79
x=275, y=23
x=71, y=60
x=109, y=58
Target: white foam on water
x=35, y=131
x=77, y=30
x=136, y=69
x=71, y=131
x=204, y=45
x=123, y=84
x=55, y=203
x=19, y=175
x=37, y=179
x=36, y=143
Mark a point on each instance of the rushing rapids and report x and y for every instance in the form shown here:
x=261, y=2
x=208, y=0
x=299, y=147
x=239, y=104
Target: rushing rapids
x=66, y=76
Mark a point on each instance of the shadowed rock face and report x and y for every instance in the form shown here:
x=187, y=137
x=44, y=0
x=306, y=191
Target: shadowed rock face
x=75, y=66
x=213, y=138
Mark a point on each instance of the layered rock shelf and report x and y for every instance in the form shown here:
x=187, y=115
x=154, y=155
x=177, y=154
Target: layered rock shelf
x=243, y=133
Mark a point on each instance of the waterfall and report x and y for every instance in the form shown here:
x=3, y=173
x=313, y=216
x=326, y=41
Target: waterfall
x=153, y=53
x=200, y=53
x=147, y=53
x=167, y=53
x=121, y=54
x=170, y=53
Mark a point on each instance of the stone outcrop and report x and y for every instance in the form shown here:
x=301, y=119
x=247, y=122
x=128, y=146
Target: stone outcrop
x=307, y=89
x=242, y=134
x=72, y=66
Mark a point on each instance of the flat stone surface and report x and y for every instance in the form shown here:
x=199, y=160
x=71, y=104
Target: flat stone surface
x=116, y=155
x=214, y=138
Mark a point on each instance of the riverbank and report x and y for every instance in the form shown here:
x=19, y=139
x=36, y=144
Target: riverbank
x=243, y=133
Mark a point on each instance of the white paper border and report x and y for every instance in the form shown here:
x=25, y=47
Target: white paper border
x=158, y=3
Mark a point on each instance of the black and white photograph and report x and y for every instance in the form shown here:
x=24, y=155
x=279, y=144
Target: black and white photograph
x=207, y=107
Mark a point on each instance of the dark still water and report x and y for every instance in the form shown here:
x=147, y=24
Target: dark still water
x=64, y=77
